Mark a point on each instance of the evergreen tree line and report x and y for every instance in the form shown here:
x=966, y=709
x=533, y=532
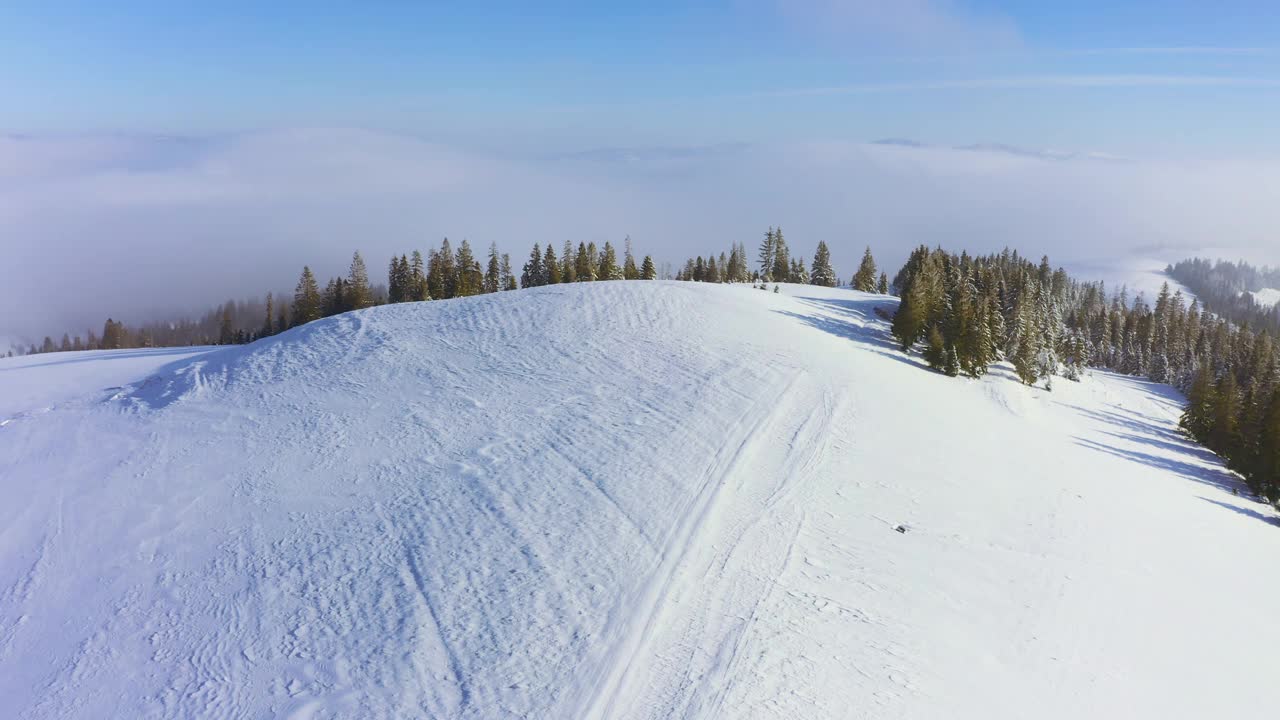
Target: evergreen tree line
x=586, y=264
x=1225, y=289
x=444, y=273
x=967, y=313
x=775, y=264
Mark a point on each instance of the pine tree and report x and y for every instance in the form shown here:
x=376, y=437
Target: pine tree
x=470, y=279
x=593, y=263
x=551, y=266
x=647, y=270
x=766, y=257
x=935, y=348
x=781, y=257
x=268, y=325
x=533, y=274
x=1265, y=481
x=568, y=266
x=629, y=269
x=823, y=274
x=493, y=274
x=358, y=292
x=865, y=279
x=226, y=333
x=582, y=264
x=395, y=290
x=444, y=263
x=306, y=299
x=909, y=321
x=508, y=280
x=1224, y=437
x=418, y=279
x=883, y=286
x=608, y=269
x=1026, y=345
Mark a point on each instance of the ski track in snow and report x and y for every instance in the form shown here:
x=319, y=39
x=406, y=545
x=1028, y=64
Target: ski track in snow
x=616, y=500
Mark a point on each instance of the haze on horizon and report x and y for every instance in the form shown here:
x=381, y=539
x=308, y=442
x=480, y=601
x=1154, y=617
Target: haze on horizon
x=155, y=158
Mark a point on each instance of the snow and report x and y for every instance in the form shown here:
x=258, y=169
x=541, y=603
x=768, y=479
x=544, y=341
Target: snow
x=1267, y=297
x=621, y=500
x=35, y=383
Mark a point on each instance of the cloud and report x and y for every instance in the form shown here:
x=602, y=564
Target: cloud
x=1033, y=82
x=139, y=227
x=920, y=24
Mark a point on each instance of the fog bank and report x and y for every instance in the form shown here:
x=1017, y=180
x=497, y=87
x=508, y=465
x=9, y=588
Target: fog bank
x=142, y=227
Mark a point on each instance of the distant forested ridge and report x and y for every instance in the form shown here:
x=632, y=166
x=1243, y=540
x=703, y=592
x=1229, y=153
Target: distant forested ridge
x=1226, y=289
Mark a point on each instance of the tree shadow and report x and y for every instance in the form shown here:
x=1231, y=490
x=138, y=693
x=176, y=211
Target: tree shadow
x=1170, y=396
x=1218, y=477
x=1247, y=512
x=1133, y=422
x=1183, y=446
x=856, y=320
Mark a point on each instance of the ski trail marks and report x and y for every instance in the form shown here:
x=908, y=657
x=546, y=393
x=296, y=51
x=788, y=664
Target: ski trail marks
x=676, y=651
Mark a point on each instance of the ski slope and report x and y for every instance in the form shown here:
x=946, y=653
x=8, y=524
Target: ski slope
x=616, y=500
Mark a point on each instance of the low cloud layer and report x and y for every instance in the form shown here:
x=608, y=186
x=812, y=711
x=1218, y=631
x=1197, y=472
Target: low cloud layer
x=141, y=227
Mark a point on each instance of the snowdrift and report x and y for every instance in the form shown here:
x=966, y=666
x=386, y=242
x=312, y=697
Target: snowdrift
x=615, y=500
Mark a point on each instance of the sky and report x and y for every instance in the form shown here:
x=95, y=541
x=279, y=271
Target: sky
x=1136, y=75
x=161, y=157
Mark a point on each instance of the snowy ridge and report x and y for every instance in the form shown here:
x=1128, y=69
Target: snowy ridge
x=616, y=500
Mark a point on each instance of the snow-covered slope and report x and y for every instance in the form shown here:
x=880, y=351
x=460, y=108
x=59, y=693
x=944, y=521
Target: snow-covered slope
x=1267, y=296
x=35, y=383
x=621, y=500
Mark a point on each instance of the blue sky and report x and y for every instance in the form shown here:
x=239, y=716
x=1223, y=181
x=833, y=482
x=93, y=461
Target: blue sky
x=1138, y=76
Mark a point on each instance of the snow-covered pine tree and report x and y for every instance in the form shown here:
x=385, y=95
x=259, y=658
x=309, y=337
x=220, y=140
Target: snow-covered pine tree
x=781, y=257
x=823, y=274
x=609, y=268
x=647, y=270
x=865, y=279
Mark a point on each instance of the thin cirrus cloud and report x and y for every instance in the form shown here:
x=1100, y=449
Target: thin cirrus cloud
x=1031, y=82
x=903, y=23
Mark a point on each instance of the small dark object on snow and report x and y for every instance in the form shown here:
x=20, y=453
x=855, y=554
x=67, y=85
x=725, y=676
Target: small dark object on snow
x=902, y=529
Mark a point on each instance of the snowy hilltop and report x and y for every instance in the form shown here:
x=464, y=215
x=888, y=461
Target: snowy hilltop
x=615, y=500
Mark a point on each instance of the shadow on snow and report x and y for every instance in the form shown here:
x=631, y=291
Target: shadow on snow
x=1247, y=512
x=860, y=323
